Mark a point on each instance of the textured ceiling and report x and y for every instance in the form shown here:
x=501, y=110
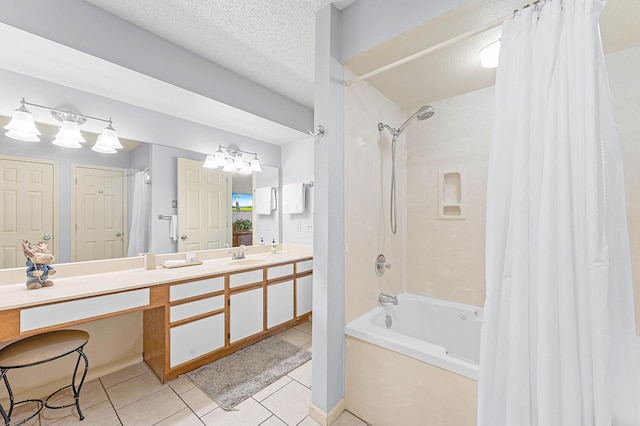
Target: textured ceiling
x=270, y=42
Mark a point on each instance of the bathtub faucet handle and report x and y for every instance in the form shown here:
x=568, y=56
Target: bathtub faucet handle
x=381, y=265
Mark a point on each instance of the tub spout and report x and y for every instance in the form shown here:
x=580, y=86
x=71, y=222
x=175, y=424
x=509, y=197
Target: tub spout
x=385, y=299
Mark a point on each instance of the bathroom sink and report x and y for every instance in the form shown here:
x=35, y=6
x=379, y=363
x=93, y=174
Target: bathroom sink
x=251, y=261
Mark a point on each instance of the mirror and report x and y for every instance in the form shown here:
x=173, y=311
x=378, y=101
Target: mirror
x=158, y=161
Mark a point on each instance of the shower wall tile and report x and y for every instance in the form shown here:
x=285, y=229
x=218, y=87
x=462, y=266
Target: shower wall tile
x=367, y=155
x=623, y=69
x=446, y=257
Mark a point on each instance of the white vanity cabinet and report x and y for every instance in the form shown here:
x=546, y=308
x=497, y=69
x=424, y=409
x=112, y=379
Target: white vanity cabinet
x=197, y=321
x=279, y=303
x=245, y=314
x=303, y=295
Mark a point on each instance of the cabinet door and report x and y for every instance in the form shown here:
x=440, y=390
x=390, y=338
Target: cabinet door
x=194, y=339
x=279, y=303
x=245, y=313
x=304, y=292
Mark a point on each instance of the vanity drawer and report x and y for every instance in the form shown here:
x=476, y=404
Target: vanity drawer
x=198, y=307
x=243, y=278
x=77, y=310
x=279, y=271
x=305, y=266
x=196, y=288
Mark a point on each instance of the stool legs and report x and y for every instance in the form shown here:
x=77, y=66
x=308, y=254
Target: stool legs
x=6, y=416
x=74, y=389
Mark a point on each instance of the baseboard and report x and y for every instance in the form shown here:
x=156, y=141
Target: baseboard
x=92, y=374
x=325, y=419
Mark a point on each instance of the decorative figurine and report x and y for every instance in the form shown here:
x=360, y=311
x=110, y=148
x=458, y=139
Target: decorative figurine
x=39, y=267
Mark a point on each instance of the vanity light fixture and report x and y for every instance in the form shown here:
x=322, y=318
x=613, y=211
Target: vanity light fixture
x=232, y=159
x=489, y=55
x=22, y=127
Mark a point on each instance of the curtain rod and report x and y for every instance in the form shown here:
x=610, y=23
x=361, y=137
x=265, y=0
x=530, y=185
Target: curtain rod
x=424, y=52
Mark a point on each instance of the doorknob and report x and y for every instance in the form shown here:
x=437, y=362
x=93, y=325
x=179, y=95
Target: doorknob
x=118, y=234
x=46, y=237
x=183, y=236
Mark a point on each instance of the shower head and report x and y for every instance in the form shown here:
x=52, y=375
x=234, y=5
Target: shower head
x=424, y=112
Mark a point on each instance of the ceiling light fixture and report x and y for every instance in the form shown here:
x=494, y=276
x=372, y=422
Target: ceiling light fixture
x=23, y=127
x=489, y=55
x=232, y=159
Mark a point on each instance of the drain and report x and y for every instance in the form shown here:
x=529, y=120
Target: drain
x=388, y=321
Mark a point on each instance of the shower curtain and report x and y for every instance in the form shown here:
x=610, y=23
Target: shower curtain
x=139, y=215
x=559, y=328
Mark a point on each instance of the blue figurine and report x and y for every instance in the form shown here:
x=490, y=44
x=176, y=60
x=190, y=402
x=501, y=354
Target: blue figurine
x=38, y=263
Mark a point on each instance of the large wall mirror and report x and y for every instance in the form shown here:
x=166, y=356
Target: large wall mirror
x=84, y=204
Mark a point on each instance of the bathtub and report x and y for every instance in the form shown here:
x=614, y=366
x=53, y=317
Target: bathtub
x=442, y=333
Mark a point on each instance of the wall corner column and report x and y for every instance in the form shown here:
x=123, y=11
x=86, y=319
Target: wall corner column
x=328, y=222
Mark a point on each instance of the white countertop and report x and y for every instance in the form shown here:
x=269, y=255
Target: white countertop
x=16, y=295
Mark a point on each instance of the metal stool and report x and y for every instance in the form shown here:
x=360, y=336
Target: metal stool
x=37, y=350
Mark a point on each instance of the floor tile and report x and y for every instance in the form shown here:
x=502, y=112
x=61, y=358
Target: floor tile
x=181, y=418
x=91, y=394
x=302, y=374
x=101, y=414
x=308, y=347
x=134, y=389
x=295, y=337
x=273, y=387
x=198, y=401
x=249, y=413
x=305, y=327
x=290, y=404
x=273, y=421
x=348, y=419
x=22, y=411
x=308, y=421
x=152, y=409
x=181, y=385
x=124, y=374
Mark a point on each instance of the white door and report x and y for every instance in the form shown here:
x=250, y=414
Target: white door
x=27, y=202
x=203, y=205
x=100, y=221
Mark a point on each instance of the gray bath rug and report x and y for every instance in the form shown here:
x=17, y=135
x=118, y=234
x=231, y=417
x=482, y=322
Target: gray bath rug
x=234, y=378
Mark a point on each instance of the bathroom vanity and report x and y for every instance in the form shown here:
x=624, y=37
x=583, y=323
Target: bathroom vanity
x=191, y=315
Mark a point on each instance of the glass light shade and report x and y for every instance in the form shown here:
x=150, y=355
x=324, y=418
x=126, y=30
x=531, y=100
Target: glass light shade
x=210, y=163
x=245, y=169
x=109, y=137
x=220, y=159
x=102, y=147
x=229, y=166
x=238, y=162
x=22, y=127
x=69, y=135
x=255, y=165
x=489, y=55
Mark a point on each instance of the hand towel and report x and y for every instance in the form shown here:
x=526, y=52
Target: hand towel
x=293, y=198
x=173, y=227
x=264, y=200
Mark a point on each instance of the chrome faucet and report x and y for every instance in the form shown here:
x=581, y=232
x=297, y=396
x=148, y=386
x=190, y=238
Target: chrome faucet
x=385, y=299
x=240, y=253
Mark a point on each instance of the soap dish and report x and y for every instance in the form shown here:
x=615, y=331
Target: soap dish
x=179, y=263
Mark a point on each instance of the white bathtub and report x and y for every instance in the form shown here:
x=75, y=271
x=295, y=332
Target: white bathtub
x=441, y=333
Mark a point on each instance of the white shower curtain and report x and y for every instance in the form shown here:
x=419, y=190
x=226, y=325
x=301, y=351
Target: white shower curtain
x=559, y=328
x=138, y=234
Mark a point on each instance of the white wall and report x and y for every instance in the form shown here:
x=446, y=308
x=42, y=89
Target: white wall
x=297, y=166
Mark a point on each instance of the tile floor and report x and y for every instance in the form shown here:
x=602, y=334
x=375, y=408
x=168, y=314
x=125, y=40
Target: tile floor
x=134, y=396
